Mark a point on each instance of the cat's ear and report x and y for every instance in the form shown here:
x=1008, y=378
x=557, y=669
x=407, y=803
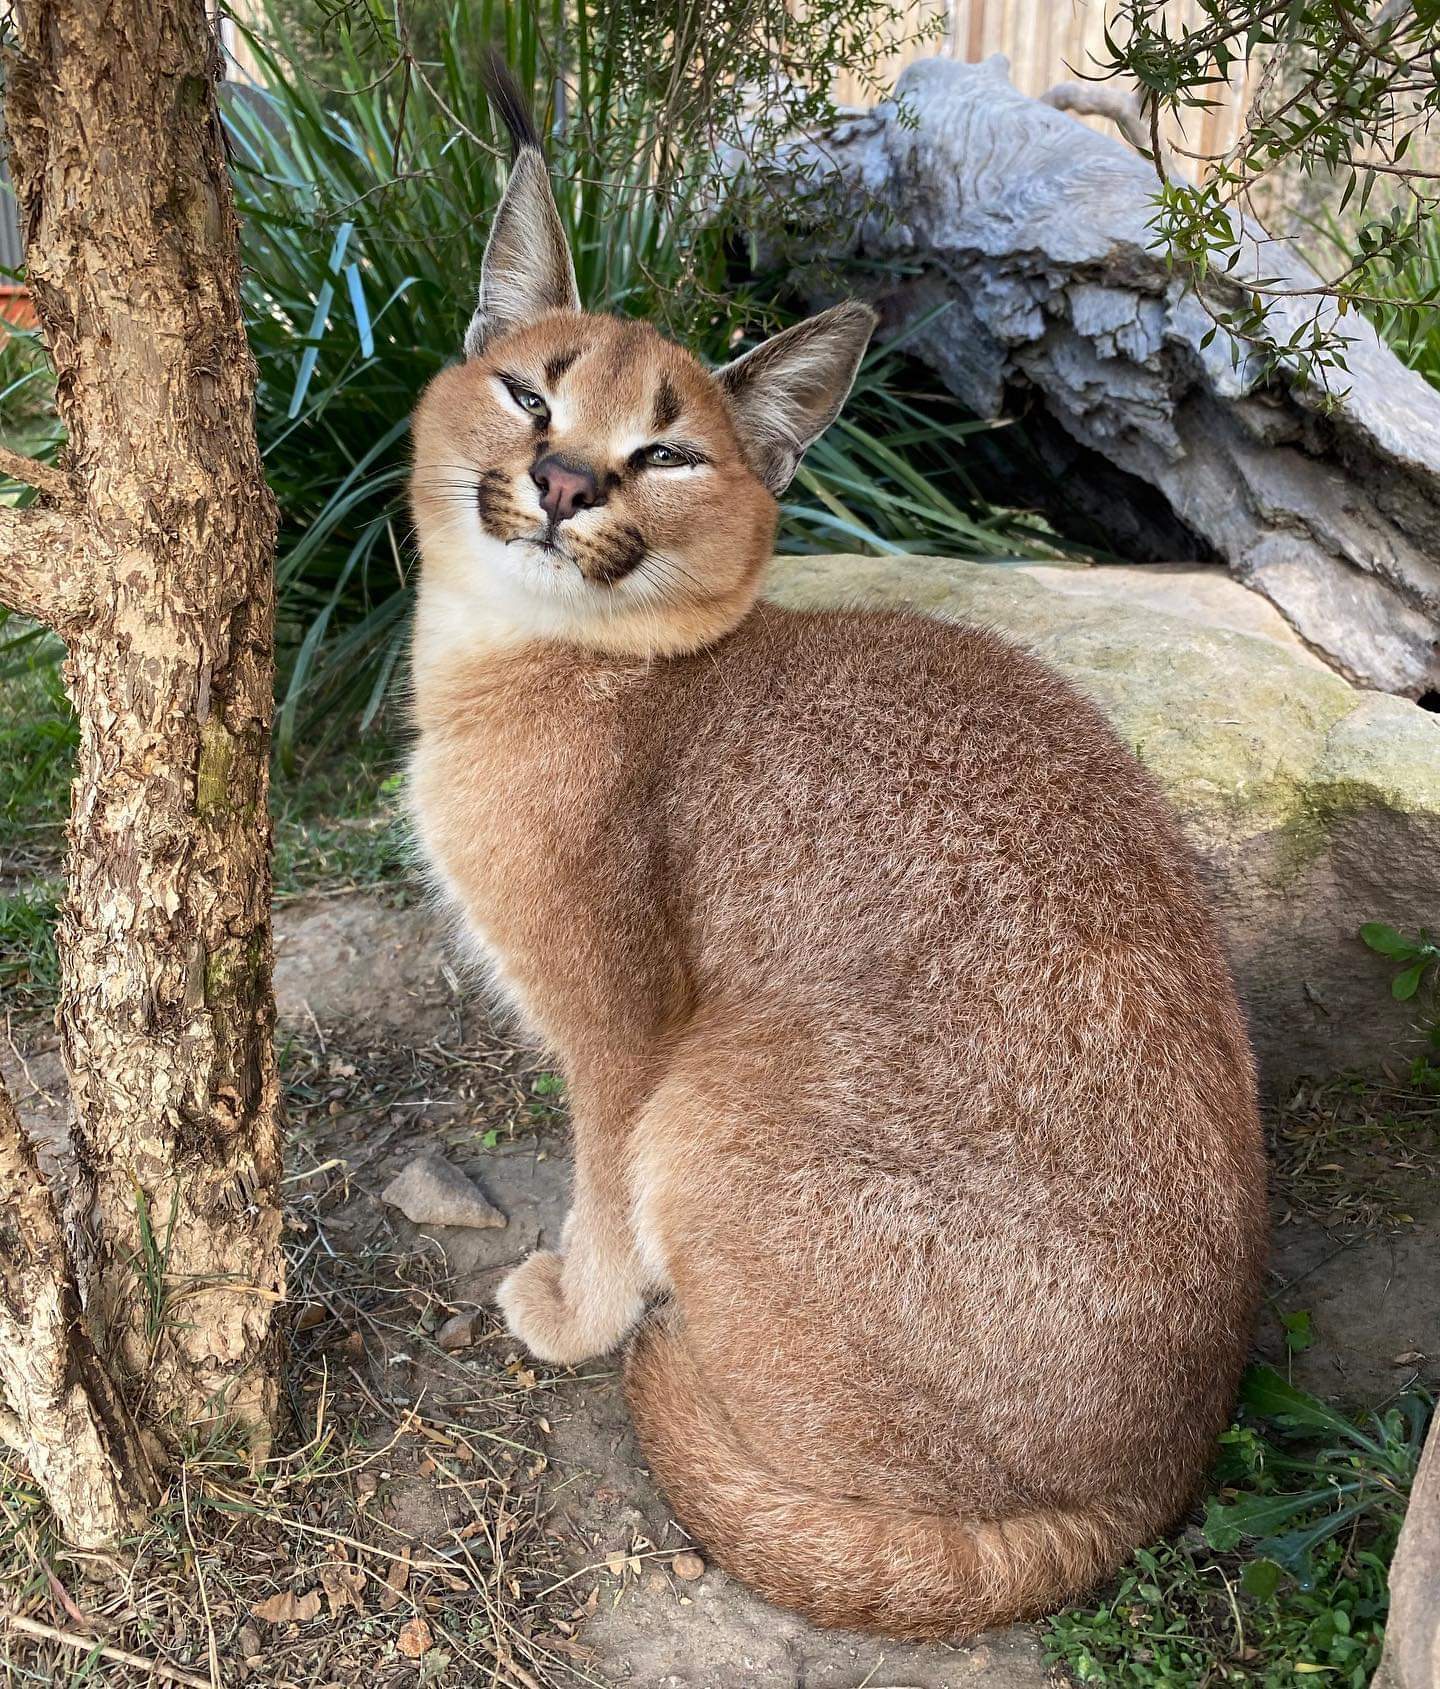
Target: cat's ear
x=787, y=392
x=527, y=269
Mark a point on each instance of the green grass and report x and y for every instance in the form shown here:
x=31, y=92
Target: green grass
x=1407, y=319
x=27, y=395
x=1284, y=1582
x=338, y=824
x=1410, y=322
x=29, y=968
x=37, y=740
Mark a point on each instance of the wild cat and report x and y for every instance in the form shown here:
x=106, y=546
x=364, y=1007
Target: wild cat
x=916, y=1151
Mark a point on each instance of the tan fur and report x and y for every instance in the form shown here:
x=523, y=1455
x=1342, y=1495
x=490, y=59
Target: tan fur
x=908, y=1087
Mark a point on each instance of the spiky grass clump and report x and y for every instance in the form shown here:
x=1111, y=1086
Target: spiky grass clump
x=1284, y=1583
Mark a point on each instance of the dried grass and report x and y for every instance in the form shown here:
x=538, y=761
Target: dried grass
x=1354, y=1154
x=399, y=1533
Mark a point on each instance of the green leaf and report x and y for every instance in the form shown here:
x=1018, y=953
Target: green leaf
x=1298, y=1332
x=1293, y=1548
x=356, y=288
x=1385, y=941
x=1270, y=1396
x=1257, y=1516
x=1404, y=985
x=1261, y=1578
x=310, y=356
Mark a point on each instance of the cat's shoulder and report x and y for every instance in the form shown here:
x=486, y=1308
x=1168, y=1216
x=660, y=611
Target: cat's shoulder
x=888, y=648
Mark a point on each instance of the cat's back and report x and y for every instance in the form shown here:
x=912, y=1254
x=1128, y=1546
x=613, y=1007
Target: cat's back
x=974, y=1027
x=934, y=770
x=938, y=863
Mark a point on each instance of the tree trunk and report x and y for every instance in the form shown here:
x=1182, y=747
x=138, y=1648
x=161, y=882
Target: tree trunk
x=152, y=561
x=1412, y=1630
x=78, y=1434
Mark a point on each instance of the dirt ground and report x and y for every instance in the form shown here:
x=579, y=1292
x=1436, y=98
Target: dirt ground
x=353, y=962
x=390, y=1054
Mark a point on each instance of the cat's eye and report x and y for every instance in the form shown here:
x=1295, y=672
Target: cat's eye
x=529, y=400
x=662, y=457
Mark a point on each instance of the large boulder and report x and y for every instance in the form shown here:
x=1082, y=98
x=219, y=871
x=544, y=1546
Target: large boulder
x=1314, y=806
x=1017, y=258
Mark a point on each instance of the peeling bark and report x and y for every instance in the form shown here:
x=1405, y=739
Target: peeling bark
x=42, y=566
x=65, y=1413
x=158, y=576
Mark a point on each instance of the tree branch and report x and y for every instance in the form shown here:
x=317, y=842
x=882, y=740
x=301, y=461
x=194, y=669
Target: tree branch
x=1091, y=99
x=30, y=472
x=79, y=1439
x=42, y=565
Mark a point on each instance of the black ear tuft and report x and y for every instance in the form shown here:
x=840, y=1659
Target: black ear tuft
x=527, y=269
x=510, y=104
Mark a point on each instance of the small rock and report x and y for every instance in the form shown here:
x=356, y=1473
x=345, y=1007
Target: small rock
x=687, y=1566
x=432, y=1191
x=457, y=1332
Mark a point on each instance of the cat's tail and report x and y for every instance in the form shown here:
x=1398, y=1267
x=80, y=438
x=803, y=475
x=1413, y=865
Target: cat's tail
x=853, y=1564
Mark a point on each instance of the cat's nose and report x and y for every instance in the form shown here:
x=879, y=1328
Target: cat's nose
x=565, y=487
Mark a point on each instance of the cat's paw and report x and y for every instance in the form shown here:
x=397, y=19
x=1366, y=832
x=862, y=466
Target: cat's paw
x=552, y=1328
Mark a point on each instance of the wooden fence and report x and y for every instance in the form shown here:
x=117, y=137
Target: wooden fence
x=1050, y=41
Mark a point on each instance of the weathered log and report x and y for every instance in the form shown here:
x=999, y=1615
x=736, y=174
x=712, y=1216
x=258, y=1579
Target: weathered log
x=1026, y=238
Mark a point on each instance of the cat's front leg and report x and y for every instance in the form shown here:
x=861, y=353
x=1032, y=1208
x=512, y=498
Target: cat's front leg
x=570, y=1305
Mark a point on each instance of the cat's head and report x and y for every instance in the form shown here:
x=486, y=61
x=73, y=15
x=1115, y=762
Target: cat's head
x=581, y=477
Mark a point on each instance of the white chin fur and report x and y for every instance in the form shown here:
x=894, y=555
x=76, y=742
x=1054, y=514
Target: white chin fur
x=478, y=590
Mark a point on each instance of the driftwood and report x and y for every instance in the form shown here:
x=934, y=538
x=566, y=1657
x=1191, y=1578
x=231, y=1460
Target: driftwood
x=1031, y=230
